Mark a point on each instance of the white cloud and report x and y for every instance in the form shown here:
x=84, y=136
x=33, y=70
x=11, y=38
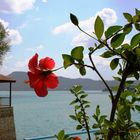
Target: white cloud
x=22, y=26
x=16, y=6
x=4, y=69
x=108, y=16
x=8, y=57
x=14, y=37
x=44, y=1
x=4, y=23
x=8, y=67
x=38, y=48
x=99, y=61
x=83, y=39
x=20, y=65
x=67, y=27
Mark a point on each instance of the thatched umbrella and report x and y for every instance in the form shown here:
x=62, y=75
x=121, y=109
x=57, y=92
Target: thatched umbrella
x=6, y=79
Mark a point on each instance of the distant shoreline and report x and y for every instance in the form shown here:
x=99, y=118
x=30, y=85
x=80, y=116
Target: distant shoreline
x=64, y=83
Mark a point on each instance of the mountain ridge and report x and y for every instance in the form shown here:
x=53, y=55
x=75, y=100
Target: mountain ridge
x=64, y=83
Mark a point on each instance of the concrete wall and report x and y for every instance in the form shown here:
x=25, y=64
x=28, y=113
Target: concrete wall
x=7, y=125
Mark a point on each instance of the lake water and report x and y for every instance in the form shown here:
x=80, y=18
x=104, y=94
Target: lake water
x=36, y=116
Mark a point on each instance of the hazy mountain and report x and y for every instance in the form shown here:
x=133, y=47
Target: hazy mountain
x=64, y=83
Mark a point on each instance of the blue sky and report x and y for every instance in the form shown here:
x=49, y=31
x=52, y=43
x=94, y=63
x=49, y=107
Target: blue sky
x=43, y=27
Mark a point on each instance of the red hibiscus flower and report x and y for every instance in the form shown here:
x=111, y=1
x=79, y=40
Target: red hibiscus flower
x=76, y=138
x=41, y=75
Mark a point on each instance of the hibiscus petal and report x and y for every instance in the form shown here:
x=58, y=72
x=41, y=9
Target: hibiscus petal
x=33, y=63
x=41, y=89
x=33, y=78
x=76, y=138
x=46, y=63
x=52, y=81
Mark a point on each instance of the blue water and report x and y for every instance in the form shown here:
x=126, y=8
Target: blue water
x=36, y=116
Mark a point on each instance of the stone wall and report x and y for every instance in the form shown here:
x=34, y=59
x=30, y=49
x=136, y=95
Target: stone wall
x=7, y=125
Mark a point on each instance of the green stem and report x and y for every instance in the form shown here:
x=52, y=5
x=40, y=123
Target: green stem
x=84, y=117
x=57, y=69
x=87, y=34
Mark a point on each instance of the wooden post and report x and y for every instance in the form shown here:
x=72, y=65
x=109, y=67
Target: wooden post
x=10, y=102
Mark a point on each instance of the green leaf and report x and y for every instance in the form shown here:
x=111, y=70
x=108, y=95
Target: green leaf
x=135, y=40
x=77, y=53
x=80, y=92
x=114, y=63
x=128, y=113
x=125, y=94
x=90, y=49
x=117, y=79
x=125, y=46
x=137, y=51
x=111, y=30
x=77, y=107
x=87, y=106
x=78, y=127
x=120, y=71
x=128, y=54
x=77, y=88
x=127, y=28
x=82, y=71
x=68, y=60
x=117, y=40
x=101, y=45
x=137, y=26
x=119, y=50
x=73, y=117
x=136, y=75
x=137, y=107
x=83, y=96
x=95, y=117
x=61, y=135
x=98, y=110
x=74, y=102
x=95, y=126
x=102, y=118
x=85, y=102
x=79, y=114
x=137, y=124
x=99, y=27
x=107, y=54
x=74, y=19
x=107, y=122
x=129, y=82
x=128, y=17
x=137, y=12
x=136, y=19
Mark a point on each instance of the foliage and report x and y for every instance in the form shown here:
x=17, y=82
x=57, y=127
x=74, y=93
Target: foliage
x=62, y=136
x=125, y=59
x=81, y=104
x=4, y=44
